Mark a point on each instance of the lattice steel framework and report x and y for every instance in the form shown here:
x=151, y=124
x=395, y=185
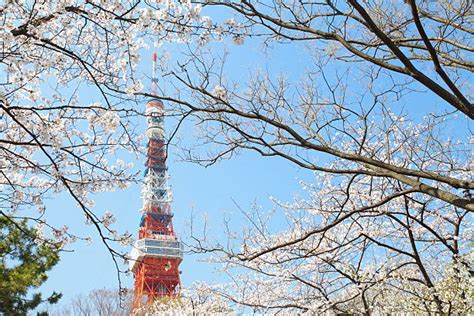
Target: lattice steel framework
x=157, y=253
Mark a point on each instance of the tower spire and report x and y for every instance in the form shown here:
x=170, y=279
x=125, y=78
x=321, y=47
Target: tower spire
x=156, y=255
x=154, y=78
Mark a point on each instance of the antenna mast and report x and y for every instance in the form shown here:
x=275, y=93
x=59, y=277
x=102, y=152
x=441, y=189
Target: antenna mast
x=154, y=78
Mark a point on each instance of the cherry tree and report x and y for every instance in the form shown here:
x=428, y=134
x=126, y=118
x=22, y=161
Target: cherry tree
x=381, y=115
x=357, y=243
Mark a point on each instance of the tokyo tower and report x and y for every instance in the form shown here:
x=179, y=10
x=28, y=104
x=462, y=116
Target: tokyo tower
x=156, y=255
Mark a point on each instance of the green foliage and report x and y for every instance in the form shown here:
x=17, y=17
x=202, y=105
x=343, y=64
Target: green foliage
x=23, y=267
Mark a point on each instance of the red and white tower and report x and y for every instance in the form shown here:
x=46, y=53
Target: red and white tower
x=156, y=255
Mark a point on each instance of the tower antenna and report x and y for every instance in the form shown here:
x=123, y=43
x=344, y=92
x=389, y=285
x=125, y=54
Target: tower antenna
x=154, y=78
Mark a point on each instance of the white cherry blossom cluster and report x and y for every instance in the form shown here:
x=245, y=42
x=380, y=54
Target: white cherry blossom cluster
x=198, y=299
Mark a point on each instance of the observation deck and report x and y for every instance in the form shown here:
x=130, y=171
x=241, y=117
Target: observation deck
x=160, y=248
